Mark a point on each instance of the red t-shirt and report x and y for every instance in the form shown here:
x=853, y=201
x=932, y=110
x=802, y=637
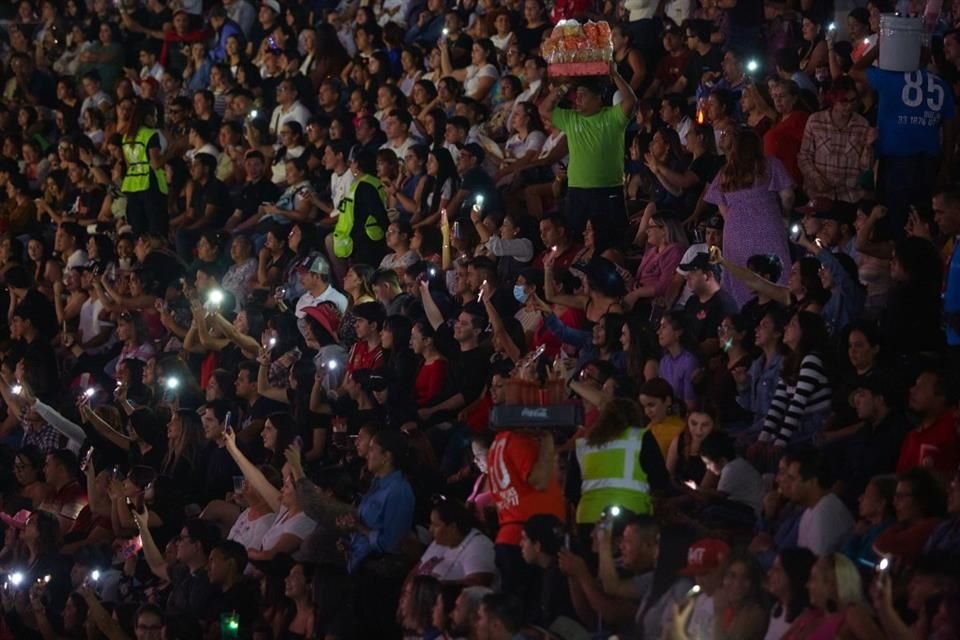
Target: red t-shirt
x=934, y=447
x=564, y=261
x=430, y=381
x=783, y=142
x=362, y=357
x=571, y=317
x=670, y=68
x=510, y=461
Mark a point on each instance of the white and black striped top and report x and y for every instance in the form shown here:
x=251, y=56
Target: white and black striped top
x=810, y=395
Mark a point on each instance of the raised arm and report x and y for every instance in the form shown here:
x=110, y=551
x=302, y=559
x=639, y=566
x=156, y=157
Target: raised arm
x=253, y=475
x=750, y=279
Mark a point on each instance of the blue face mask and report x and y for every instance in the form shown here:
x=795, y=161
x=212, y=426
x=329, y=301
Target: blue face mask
x=520, y=293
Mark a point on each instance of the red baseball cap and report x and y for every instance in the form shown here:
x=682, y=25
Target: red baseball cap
x=328, y=317
x=704, y=556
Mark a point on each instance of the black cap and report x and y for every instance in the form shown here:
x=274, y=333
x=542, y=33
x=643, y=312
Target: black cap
x=881, y=385
x=700, y=262
x=714, y=222
x=842, y=212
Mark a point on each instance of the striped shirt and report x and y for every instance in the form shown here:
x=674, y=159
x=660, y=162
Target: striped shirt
x=792, y=402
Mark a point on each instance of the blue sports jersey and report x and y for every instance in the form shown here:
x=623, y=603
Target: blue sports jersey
x=912, y=105
x=951, y=296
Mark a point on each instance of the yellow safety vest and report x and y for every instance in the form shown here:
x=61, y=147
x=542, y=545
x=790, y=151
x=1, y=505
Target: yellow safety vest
x=611, y=474
x=342, y=241
x=138, y=164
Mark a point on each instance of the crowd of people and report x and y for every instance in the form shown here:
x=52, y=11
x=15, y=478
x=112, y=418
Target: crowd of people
x=271, y=266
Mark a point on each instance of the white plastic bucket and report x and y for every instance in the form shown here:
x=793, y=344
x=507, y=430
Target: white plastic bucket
x=901, y=40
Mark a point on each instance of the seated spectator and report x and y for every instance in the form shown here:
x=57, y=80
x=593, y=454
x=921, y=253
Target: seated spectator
x=683, y=460
x=802, y=397
x=920, y=504
x=876, y=514
x=837, y=602
x=678, y=366
x=931, y=444
x=459, y=553
x=787, y=582
x=825, y=523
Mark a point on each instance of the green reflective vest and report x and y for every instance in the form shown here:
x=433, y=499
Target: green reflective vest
x=138, y=164
x=342, y=241
x=611, y=474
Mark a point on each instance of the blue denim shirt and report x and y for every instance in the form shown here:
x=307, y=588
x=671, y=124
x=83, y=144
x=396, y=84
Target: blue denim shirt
x=761, y=383
x=387, y=509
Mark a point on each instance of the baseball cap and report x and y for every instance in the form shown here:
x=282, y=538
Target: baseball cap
x=272, y=4
x=704, y=556
x=328, y=318
x=815, y=206
x=314, y=263
x=714, y=222
x=843, y=212
x=17, y=520
x=880, y=385
x=700, y=262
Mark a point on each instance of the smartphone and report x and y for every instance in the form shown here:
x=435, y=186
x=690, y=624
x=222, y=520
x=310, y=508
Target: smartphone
x=796, y=230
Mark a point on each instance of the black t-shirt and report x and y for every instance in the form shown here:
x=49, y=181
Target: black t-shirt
x=253, y=194
x=703, y=318
x=746, y=13
x=214, y=193
x=529, y=39
x=164, y=267
x=243, y=599
x=191, y=594
x=478, y=182
x=698, y=64
x=470, y=368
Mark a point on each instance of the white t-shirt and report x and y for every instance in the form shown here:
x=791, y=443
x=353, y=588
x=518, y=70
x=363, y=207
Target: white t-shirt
x=824, y=527
x=400, y=150
x=741, y=482
x=517, y=148
x=295, y=113
x=330, y=295
x=299, y=525
x=700, y=626
x=339, y=187
x=778, y=626
x=91, y=326
x=452, y=564
x=471, y=83
x=249, y=532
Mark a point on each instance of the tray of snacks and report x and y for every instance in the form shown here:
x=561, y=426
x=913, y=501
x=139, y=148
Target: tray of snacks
x=575, y=50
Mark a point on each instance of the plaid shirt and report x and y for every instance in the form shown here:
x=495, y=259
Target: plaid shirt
x=832, y=159
x=46, y=439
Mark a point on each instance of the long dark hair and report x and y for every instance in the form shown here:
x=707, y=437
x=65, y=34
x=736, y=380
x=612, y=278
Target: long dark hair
x=643, y=346
x=796, y=562
x=746, y=164
x=815, y=340
x=617, y=415
x=447, y=170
